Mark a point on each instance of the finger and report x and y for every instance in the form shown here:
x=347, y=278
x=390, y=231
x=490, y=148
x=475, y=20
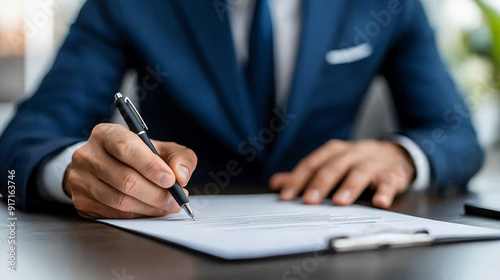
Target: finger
x=278, y=180
x=109, y=196
x=388, y=186
x=179, y=158
x=128, y=148
x=172, y=205
x=306, y=168
x=91, y=209
x=384, y=196
x=357, y=180
x=327, y=178
x=129, y=181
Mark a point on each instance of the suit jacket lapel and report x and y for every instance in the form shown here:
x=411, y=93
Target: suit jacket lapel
x=320, y=21
x=208, y=20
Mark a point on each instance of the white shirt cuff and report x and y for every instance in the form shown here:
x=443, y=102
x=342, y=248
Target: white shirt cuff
x=51, y=174
x=422, y=167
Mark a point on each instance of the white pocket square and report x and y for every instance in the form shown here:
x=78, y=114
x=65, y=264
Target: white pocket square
x=349, y=55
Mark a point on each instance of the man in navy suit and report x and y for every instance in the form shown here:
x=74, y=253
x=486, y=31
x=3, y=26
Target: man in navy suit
x=260, y=91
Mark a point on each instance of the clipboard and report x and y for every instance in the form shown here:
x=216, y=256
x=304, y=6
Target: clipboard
x=391, y=238
x=260, y=226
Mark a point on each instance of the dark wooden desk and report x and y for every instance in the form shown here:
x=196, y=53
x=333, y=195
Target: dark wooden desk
x=63, y=246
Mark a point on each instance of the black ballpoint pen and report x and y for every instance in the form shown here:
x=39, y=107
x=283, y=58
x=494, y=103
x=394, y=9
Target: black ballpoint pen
x=136, y=124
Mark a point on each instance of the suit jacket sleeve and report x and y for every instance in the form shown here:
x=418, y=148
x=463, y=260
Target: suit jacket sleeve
x=76, y=94
x=430, y=111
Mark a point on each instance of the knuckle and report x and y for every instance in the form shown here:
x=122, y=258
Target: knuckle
x=80, y=202
x=123, y=148
x=347, y=187
x=334, y=143
x=362, y=168
x=405, y=169
x=122, y=203
x=74, y=179
x=103, y=131
x=388, y=190
x=334, y=168
x=173, y=158
x=152, y=166
x=323, y=176
x=310, y=163
x=176, y=154
x=161, y=200
x=401, y=183
x=99, y=129
x=389, y=180
x=129, y=182
x=79, y=157
x=111, y=129
x=191, y=155
x=357, y=180
x=306, y=164
x=351, y=184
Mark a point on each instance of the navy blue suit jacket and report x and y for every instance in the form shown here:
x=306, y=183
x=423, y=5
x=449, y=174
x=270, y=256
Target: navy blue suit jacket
x=192, y=90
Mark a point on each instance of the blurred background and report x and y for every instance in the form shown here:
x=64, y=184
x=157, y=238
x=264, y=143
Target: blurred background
x=468, y=32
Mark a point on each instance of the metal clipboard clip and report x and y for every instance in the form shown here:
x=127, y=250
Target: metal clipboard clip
x=374, y=238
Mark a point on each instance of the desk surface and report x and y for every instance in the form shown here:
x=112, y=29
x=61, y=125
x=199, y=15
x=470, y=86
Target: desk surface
x=63, y=246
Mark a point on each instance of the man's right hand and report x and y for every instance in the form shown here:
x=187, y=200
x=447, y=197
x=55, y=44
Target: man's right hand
x=115, y=175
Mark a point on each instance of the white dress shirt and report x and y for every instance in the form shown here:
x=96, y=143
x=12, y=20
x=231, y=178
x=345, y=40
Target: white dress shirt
x=287, y=22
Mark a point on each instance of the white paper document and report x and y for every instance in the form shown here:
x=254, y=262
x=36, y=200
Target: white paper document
x=254, y=226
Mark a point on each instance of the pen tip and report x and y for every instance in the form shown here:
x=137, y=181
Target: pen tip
x=188, y=210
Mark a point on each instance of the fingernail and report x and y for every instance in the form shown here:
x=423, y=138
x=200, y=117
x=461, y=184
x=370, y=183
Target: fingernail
x=345, y=196
x=313, y=195
x=288, y=194
x=165, y=179
x=184, y=172
x=171, y=205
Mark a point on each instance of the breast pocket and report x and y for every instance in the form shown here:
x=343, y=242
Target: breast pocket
x=346, y=75
x=349, y=55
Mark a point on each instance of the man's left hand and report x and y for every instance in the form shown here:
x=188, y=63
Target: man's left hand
x=383, y=166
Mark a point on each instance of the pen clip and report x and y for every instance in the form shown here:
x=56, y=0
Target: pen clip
x=136, y=113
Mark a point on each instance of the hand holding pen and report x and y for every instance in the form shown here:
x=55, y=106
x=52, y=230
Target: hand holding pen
x=116, y=175
x=139, y=127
